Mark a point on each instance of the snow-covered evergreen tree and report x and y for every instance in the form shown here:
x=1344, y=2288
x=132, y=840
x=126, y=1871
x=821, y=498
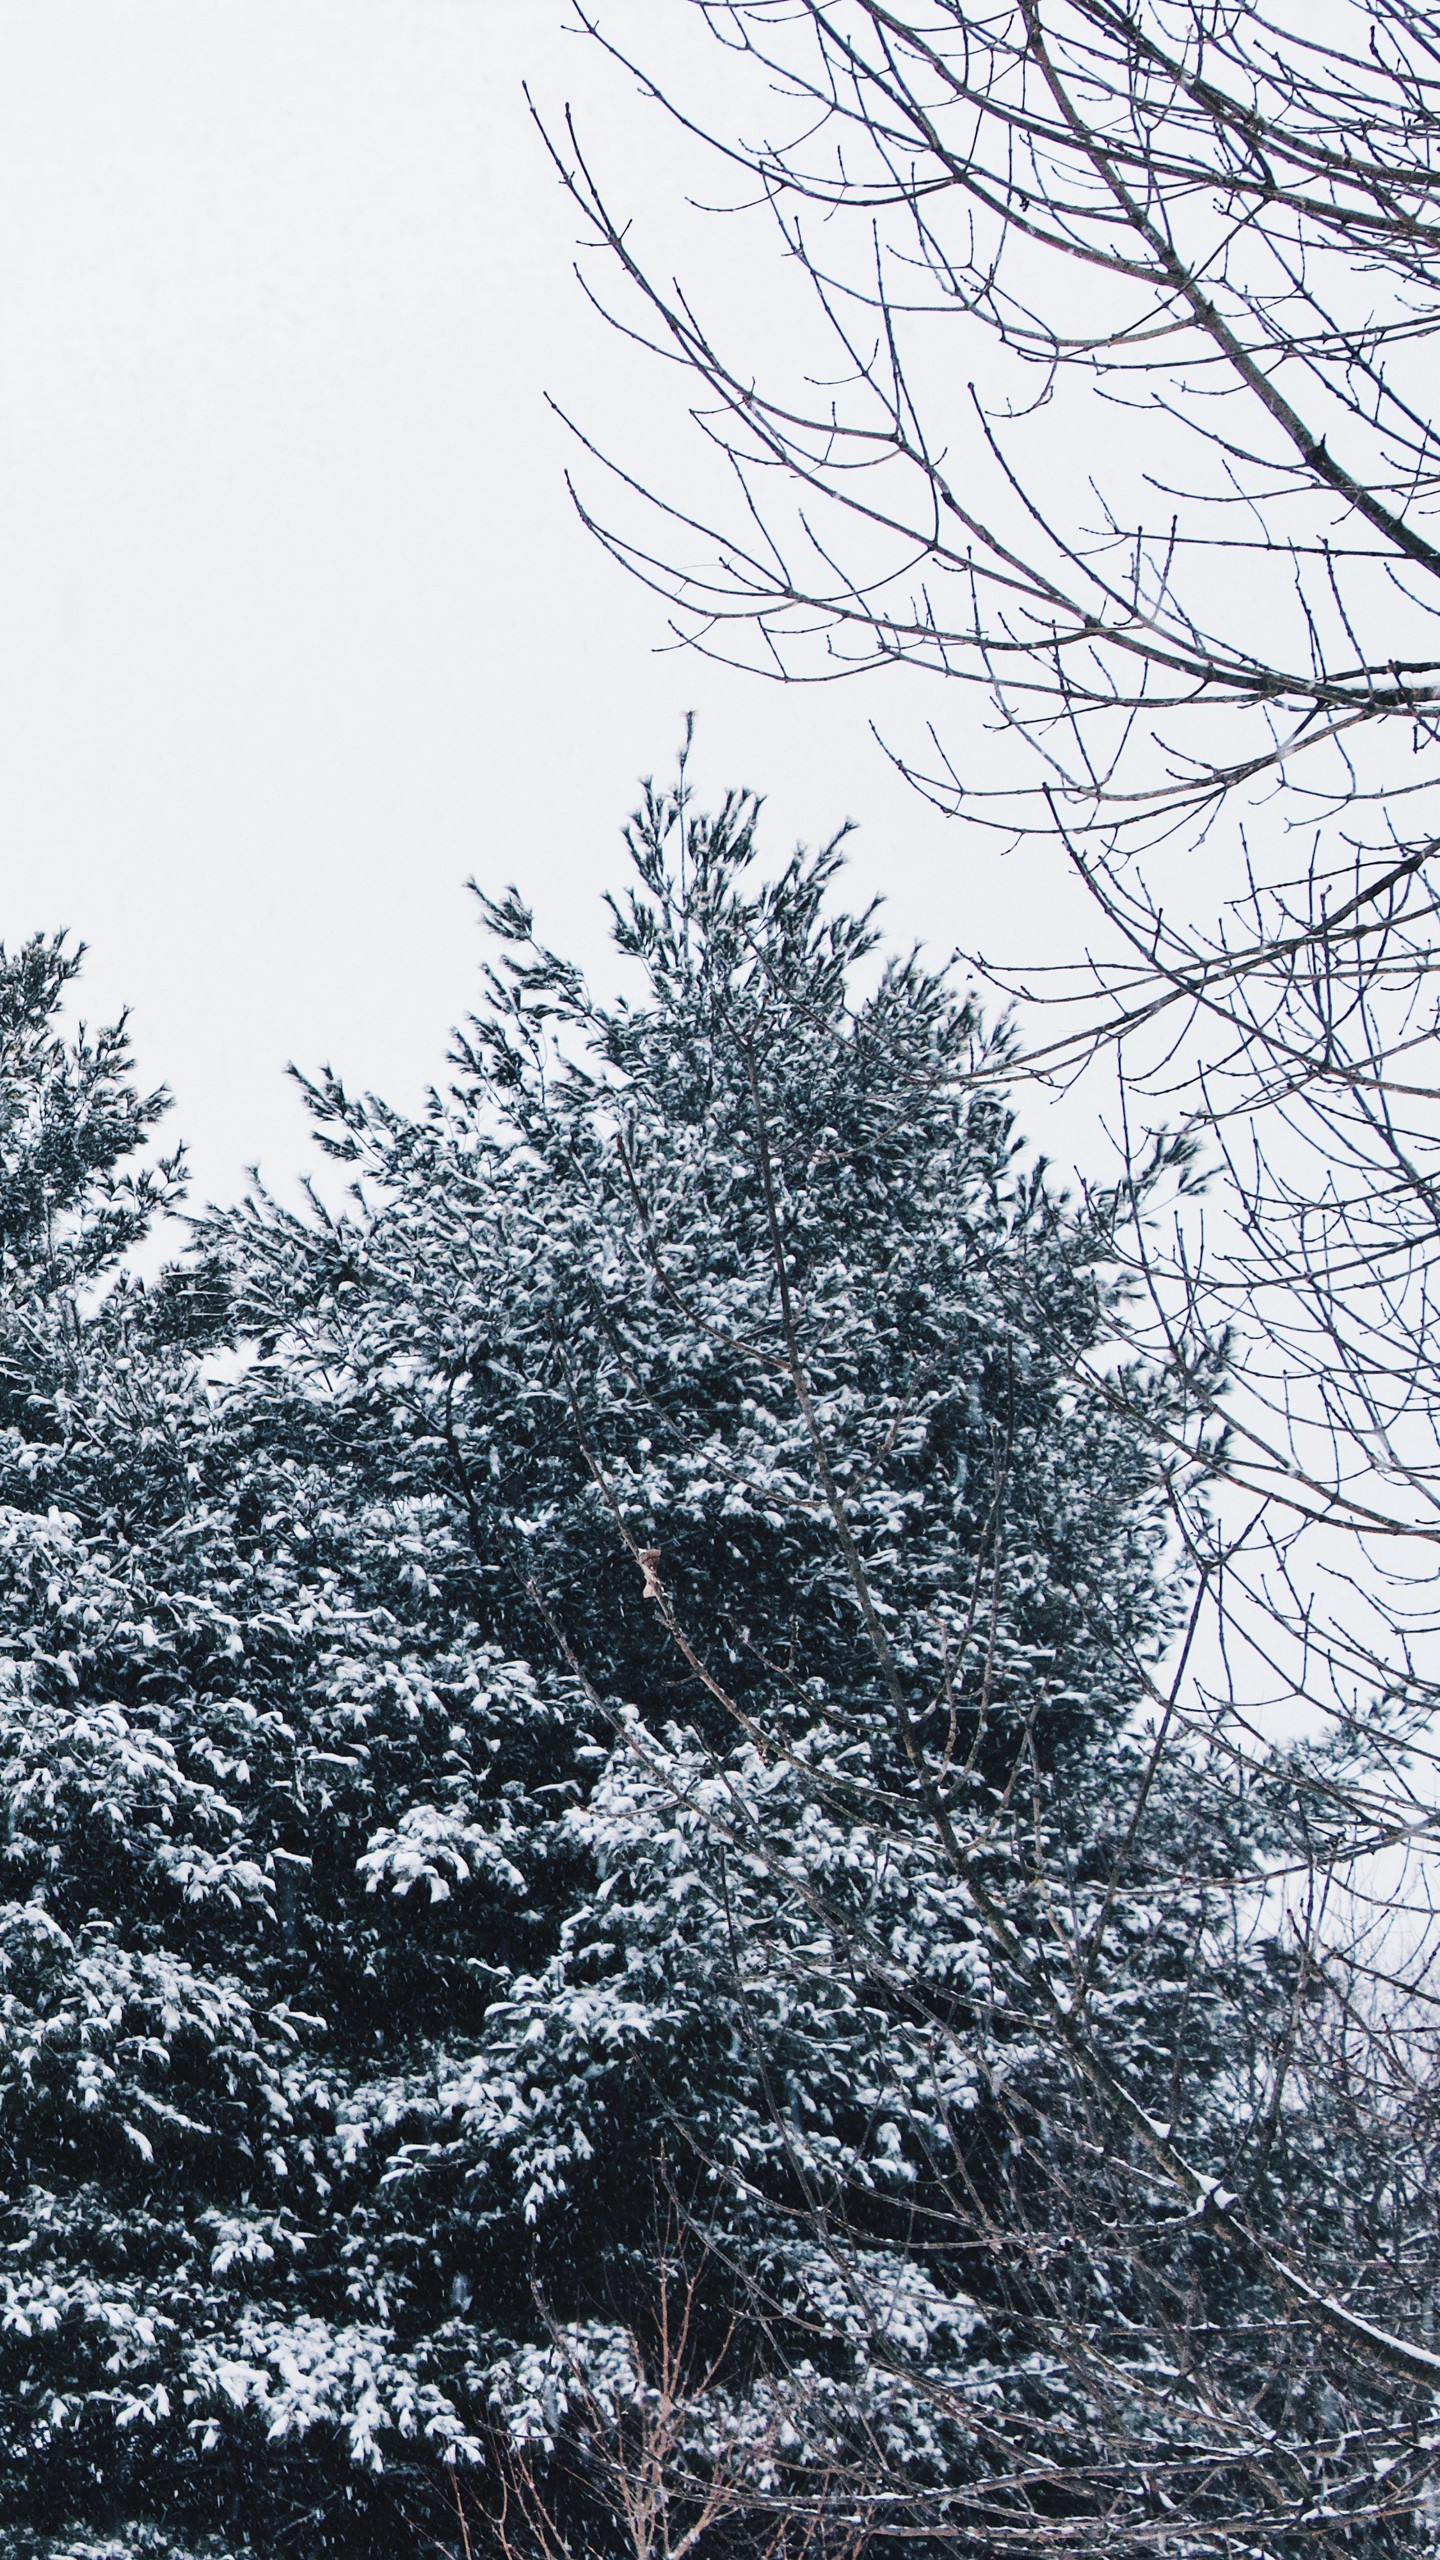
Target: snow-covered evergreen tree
x=484, y=1764
x=201, y=1643
x=659, y=1307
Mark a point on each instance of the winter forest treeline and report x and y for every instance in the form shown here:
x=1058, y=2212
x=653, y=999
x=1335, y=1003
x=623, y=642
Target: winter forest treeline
x=461, y=1860
x=554, y=1719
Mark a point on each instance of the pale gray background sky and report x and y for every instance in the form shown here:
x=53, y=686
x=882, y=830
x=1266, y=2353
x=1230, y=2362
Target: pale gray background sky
x=297, y=628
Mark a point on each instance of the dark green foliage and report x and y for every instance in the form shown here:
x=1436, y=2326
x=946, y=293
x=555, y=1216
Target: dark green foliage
x=454, y=1811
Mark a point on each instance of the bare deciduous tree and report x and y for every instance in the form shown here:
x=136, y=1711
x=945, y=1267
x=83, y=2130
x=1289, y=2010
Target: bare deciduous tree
x=645, y=2453
x=1116, y=418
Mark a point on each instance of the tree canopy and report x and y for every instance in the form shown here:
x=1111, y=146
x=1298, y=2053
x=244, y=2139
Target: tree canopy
x=459, y=1824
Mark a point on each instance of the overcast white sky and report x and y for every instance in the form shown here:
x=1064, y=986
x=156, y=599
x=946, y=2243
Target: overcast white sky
x=297, y=628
